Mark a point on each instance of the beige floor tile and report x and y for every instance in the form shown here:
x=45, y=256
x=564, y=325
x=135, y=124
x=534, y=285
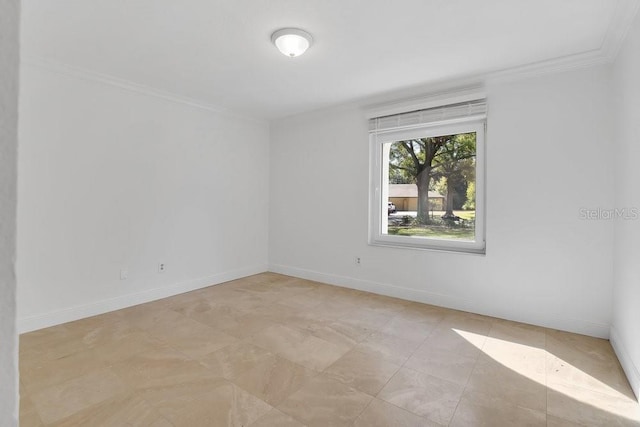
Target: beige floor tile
x=28, y=414
x=478, y=409
x=553, y=421
x=331, y=291
x=38, y=374
x=409, y=329
x=247, y=301
x=43, y=337
x=275, y=418
x=588, y=407
x=226, y=354
x=603, y=378
x=284, y=314
x=442, y=364
x=303, y=301
x=269, y=291
x=419, y=312
x=51, y=350
x=161, y=368
x=388, y=347
x=30, y=419
x=380, y=303
x=528, y=361
x=62, y=400
x=294, y=283
x=224, y=405
x=117, y=339
x=161, y=395
x=580, y=347
x=274, y=378
x=26, y=404
x=341, y=332
x=223, y=295
x=191, y=337
x=576, y=360
x=383, y=414
x=362, y=371
x=217, y=293
x=160, y=422
x=221, y=289
x=422, y=394
x=87, y=324
x=368, y=317
x=518, y=346
x=452, y=336
x=246, y=325
x=269, y=277
x=192, y=303
x=166, y=376
x=323, y=402
x=243, y=281
x=484, y=322
x=299, y=346
x=127, y=346
x=519, y=333
x=219, y=318
x=143, y=317
x=213, y=313
x=335, y=305
x=496, y=379
x=322, y=293
x=259, y=286
x=127, y=409
x=329, y=312
x=231, y=361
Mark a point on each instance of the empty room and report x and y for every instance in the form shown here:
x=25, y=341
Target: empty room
x=319, y=213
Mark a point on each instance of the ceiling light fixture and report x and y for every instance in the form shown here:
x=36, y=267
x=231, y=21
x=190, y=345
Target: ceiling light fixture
x=291, y=41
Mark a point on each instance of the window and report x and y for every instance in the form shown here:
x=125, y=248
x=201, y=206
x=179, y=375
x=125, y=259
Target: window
x=427, y=178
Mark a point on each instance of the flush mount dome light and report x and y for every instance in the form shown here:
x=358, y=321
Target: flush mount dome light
x=291, y=41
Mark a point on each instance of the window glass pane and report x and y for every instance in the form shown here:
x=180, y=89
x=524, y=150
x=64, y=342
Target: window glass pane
x=430, y=187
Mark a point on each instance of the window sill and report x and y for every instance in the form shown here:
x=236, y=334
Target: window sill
x=451, y=247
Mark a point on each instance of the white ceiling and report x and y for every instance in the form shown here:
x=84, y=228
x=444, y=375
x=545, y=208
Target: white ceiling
x=219, y=51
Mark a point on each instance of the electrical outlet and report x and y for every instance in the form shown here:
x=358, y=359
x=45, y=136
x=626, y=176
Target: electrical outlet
x=162, y=267
x=124, y=274
x=358, y=261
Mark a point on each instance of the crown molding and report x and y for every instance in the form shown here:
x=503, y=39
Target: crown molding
x=621, y=21
x=472, y=86
x=620, y=24
x=129, y=86
x=552, y=66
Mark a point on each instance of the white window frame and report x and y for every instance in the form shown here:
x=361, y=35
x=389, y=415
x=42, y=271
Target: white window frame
x=379, y=178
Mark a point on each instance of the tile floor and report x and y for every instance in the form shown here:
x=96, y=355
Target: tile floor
x=272, y=350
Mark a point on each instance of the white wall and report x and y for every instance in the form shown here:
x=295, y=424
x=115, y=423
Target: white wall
x=625, y=335
x=9, y=54
x=115, y=179
x=544, y=265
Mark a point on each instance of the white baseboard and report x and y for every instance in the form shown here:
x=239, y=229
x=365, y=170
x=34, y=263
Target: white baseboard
x=583, y=327
x=630, y=369
x=57, y=317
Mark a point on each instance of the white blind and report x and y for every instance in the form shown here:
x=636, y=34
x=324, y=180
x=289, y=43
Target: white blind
x=453, y=113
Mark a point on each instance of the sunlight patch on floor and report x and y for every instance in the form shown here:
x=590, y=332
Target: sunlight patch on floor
x=558, y=375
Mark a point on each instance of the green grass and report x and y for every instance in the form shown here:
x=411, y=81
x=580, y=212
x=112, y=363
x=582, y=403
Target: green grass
x=439, y=231
x=434, y=232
